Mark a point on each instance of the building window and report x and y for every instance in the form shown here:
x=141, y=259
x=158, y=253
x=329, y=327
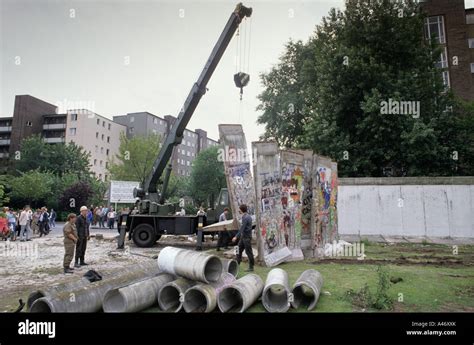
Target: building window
x=95, y=161
x=434, y=29
x=107, y=152
x=73, y=117
x=105, y=177
x=179, y=150
x=443, y=61
x=131, y=130
x=132, y=119
x=155, y=121
x=446, y=82
x=187, y=163
x=471, y=42
x=108, y=139
x=472, y=67
x=109, y=130
x=103, y=124
x=470, y=19
x=103, y=137
x=96, y=148
x=72, y=131
x=98, y=122
x=97, y=135
x=101, y=150
x=100, y=176
x=107, y=165
x=100, y=163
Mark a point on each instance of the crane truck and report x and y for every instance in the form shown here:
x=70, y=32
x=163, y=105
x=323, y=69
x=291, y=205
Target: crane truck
x=154, y=217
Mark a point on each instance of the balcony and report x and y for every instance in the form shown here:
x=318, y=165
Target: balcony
x=4, y=142
x=5, y=128
x=4, y=155
x=54, y=126
x=54, y=140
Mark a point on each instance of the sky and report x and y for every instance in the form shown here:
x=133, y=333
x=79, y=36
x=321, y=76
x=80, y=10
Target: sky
x=128, y=56
x=121, y=56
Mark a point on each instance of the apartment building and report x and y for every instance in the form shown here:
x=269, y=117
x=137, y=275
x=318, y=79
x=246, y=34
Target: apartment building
x=96, y=134
x=144, y=123
x=452, y=26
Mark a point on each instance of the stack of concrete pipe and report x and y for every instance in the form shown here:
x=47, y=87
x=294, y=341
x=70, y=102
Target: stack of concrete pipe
x=181, y=280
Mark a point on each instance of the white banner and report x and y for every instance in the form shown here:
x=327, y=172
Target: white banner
x=122, y=191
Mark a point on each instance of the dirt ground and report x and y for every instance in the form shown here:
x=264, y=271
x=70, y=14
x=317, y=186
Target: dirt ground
x=26, y=266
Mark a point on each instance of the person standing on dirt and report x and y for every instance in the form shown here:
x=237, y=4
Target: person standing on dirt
x=70, y=240
x=245, y=237
x=82, y=226
x=24, y=226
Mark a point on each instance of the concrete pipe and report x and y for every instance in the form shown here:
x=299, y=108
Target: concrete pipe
x=276, y=295
x=189, y=264
x=307, y=289
x=135, y=297
x=171, y=295
x=202, y=298
x=56, y=289
x=241, y=294
x=89, y=298
x=231, y=266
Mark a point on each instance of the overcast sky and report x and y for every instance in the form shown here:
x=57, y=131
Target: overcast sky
x=78, y=51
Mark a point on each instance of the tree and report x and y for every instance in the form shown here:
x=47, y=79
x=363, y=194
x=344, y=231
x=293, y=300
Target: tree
x=58, y=159
x=357, y=61
x=282, y=101
x=33, y=188
x=77, y=195
x=3, y=198
x=135, y=158
x=207, y=176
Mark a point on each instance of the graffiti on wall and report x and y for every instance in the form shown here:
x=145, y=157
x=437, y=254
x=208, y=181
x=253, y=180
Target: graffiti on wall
x=325, y=197
x=292, y=175
x=307, y=196
x=237, y=170
x=268, y=185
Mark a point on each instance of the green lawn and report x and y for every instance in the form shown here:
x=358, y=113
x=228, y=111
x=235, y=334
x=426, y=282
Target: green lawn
x=434, y=279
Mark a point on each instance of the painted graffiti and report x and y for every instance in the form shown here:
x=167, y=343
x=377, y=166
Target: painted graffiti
x=292, y=191
x=326, y=205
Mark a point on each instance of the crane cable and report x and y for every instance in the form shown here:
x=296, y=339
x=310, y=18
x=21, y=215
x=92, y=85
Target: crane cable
x=242, y=59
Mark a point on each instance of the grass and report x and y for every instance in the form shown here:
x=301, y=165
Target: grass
x=433, y=278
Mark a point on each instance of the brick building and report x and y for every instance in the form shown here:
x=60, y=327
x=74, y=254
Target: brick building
x=452, y=26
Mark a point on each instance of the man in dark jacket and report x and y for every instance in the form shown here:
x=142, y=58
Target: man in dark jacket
x=82, y=227
x=245, y=237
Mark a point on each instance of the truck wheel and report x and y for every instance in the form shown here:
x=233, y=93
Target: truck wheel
x=144, y=235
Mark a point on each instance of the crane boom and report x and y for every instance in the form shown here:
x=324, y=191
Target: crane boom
x=175, y=135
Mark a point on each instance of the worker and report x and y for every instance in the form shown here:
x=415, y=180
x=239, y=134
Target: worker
x=245, y=237
x=223, y=235
x=82, y=226
x=70, y=240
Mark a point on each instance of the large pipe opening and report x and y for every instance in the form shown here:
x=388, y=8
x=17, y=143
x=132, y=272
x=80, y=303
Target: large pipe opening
x=114, y=302
x=168, y=299
x=213, y=269
x=276, y=298
x=41, y=305
x=303, y=295
x=233, y=268
x=230, y=300
x=195, y=301
x=33, y=297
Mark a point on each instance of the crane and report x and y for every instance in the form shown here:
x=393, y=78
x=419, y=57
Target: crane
x=154, y=217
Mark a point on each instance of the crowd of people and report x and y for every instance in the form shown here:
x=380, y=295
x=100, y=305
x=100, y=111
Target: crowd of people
x=22, y=224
